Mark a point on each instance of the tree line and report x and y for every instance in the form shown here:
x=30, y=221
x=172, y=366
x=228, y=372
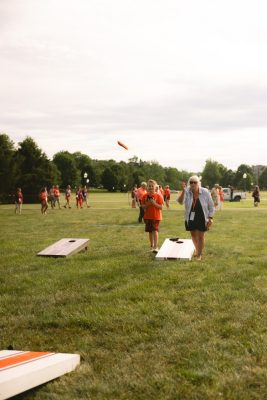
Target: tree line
x=25, y=165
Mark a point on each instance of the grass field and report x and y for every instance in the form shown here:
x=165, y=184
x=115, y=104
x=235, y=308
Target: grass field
x=145, y=329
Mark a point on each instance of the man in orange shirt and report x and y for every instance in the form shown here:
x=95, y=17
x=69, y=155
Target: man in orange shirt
x=152, y=204
x=139, y=195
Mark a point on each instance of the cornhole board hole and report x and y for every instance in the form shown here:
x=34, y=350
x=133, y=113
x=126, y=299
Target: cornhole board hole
x=176, y=249
x=24, y=370
x=65, y=247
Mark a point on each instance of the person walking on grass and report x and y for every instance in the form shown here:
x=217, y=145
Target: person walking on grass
x=67, y=196
x=43, y=200
x=18, y=201
x=51, y=197
x=152, y=203
x=85, y=196
x=139, y=195
x=221, y=197
x=215, y=195
x=133, y=196
x=57, y=196
x=199, y=211
x=79, y=197
x=167, y=196
x=256, y=196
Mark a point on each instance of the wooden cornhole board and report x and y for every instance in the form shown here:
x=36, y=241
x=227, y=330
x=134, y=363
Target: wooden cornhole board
x=180, y=249
x=65, y=247
x=24, y=370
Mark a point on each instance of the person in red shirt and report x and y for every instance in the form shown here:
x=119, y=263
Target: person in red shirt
x=43, y=200
x=152, y=204
x=67, y=196
x=161, y=190
x=57, y=195
x=221, y=195
x=18, y=201
x=167, y=196
x=79, y=198
x=139, y=195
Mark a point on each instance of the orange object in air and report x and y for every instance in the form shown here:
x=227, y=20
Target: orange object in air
x=122, y=145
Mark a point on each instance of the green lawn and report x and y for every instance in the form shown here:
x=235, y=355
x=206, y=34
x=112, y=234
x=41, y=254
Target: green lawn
x=145, y=329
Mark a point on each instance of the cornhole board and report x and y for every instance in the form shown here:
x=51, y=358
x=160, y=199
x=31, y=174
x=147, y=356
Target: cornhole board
x=24, y=370
x=179, y=249
x=65, y=247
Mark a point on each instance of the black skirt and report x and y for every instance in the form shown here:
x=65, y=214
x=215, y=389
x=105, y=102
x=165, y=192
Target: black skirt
x=199, y=222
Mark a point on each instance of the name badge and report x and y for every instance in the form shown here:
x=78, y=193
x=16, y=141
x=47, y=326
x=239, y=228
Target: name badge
x=192, y=216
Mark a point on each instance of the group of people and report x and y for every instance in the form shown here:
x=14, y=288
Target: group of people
x=52, y=198
x=217, y=196
x=199, y=203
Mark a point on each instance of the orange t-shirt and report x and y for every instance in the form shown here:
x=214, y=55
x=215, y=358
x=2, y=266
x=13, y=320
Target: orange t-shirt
x=43, y=196
x=140, y=193
x=153, y=212
x=167, y=192
x=56, y=192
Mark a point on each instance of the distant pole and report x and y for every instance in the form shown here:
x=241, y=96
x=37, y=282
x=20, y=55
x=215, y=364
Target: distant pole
x=85, y=177
x=245, y=178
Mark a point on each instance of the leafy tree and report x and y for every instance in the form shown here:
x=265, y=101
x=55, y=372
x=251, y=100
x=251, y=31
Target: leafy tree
x=109, y=179
x=81, y=159
x=239, y=181
x=263, y=179
x=153, y=170
x=30, y=156
x=173, y=178
x=66, y=164
x=8, y=166
x=86, y=165
x=212, y=173
x=35, y=169
x=227, y=178
x=113, y=177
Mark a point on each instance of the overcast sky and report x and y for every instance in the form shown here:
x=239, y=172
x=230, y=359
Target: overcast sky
x=178, y=81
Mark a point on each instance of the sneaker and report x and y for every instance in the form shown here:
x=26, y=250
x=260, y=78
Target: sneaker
x=156, y=250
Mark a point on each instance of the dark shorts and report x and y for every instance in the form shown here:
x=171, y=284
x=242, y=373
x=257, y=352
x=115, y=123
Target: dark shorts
x=151, y=225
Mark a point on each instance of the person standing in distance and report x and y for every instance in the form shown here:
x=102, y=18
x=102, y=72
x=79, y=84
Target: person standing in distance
x=18, y=201
x=256, y=196
x=139, y=195
x=199, y=211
